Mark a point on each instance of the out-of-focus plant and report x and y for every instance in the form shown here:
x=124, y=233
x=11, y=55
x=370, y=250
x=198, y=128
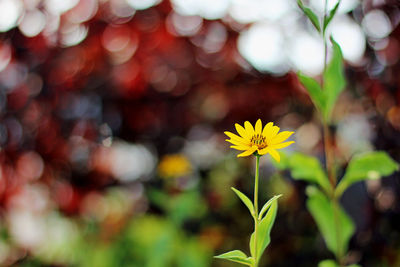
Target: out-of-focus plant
x=173, y=166
x=324, y=194
x=258, y=142
x=146, y=241
x=180, y=207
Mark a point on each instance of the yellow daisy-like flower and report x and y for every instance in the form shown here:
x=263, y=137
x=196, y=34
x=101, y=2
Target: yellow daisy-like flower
x=259, y=141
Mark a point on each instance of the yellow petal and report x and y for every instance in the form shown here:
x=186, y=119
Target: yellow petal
x=235, y=142
x=249, y=128
x=272, y=133
x=241, y=131
x=240, y=147
x=263, y=151
x=234, y=137
x=280, y=137
x=281, y=145
x=275, y=155
x=267, y=128
x=248, y=152
x=258, y=127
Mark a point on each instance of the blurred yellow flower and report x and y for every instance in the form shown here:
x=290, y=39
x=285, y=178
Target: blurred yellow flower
x=259, y=141
x=174, y=166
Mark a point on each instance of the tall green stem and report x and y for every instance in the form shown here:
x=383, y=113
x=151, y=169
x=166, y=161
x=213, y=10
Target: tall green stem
x=256, y=221
x=256, y=185
x=329, y=155
x=329, y=159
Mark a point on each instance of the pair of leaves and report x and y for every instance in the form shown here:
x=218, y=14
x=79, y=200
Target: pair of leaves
x=334, y=83
x=265, y=223
x=372, y=165
x=264, y=230
x=314, y=18
x=328, y=216
x=250, y=206
x=367, y=166
x=264, y=226
x=328, y=19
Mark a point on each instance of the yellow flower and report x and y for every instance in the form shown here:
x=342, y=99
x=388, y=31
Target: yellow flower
x=259, y=141
x=174, y=166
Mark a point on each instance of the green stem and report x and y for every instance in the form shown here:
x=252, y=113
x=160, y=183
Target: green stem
x=256, y=221
x=329, y=159
x=256, y=185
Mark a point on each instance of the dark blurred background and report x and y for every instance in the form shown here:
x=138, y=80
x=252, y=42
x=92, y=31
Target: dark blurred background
x=112, y=115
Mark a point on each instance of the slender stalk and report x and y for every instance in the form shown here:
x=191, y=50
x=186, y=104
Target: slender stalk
x=256, y=185
x=256, y=221
x=329, y=156
x=329, y=159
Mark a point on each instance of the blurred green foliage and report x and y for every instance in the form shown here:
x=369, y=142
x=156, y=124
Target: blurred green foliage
x=336, y=234
x=334, y=224
x=367, y=166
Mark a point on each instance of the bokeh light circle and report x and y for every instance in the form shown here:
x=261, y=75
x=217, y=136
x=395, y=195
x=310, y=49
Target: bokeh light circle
x=376, y=24
x=32, y=23
x=350, y=37
x=263, y=46
x=142, y=4
x=306, y=53
x=10, y=11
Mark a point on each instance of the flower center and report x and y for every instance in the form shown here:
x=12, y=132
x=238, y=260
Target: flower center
x=258, y=140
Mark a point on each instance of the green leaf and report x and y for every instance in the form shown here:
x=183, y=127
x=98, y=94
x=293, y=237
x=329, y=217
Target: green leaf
x=308, y=169
x=332, y=13
x=310, y=14
x=323, y=212
x=315, y=91
x=245, y=200
x=267, y=205
x=236, y=256
x=264, y=231
x=252, y=248
x=332, y=263
x=367, y=166
x=334, y=79
x=328, y=263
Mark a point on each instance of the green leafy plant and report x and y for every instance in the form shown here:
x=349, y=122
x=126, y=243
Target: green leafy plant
x=258, y=142
x=263, y=222
x=325, y=191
